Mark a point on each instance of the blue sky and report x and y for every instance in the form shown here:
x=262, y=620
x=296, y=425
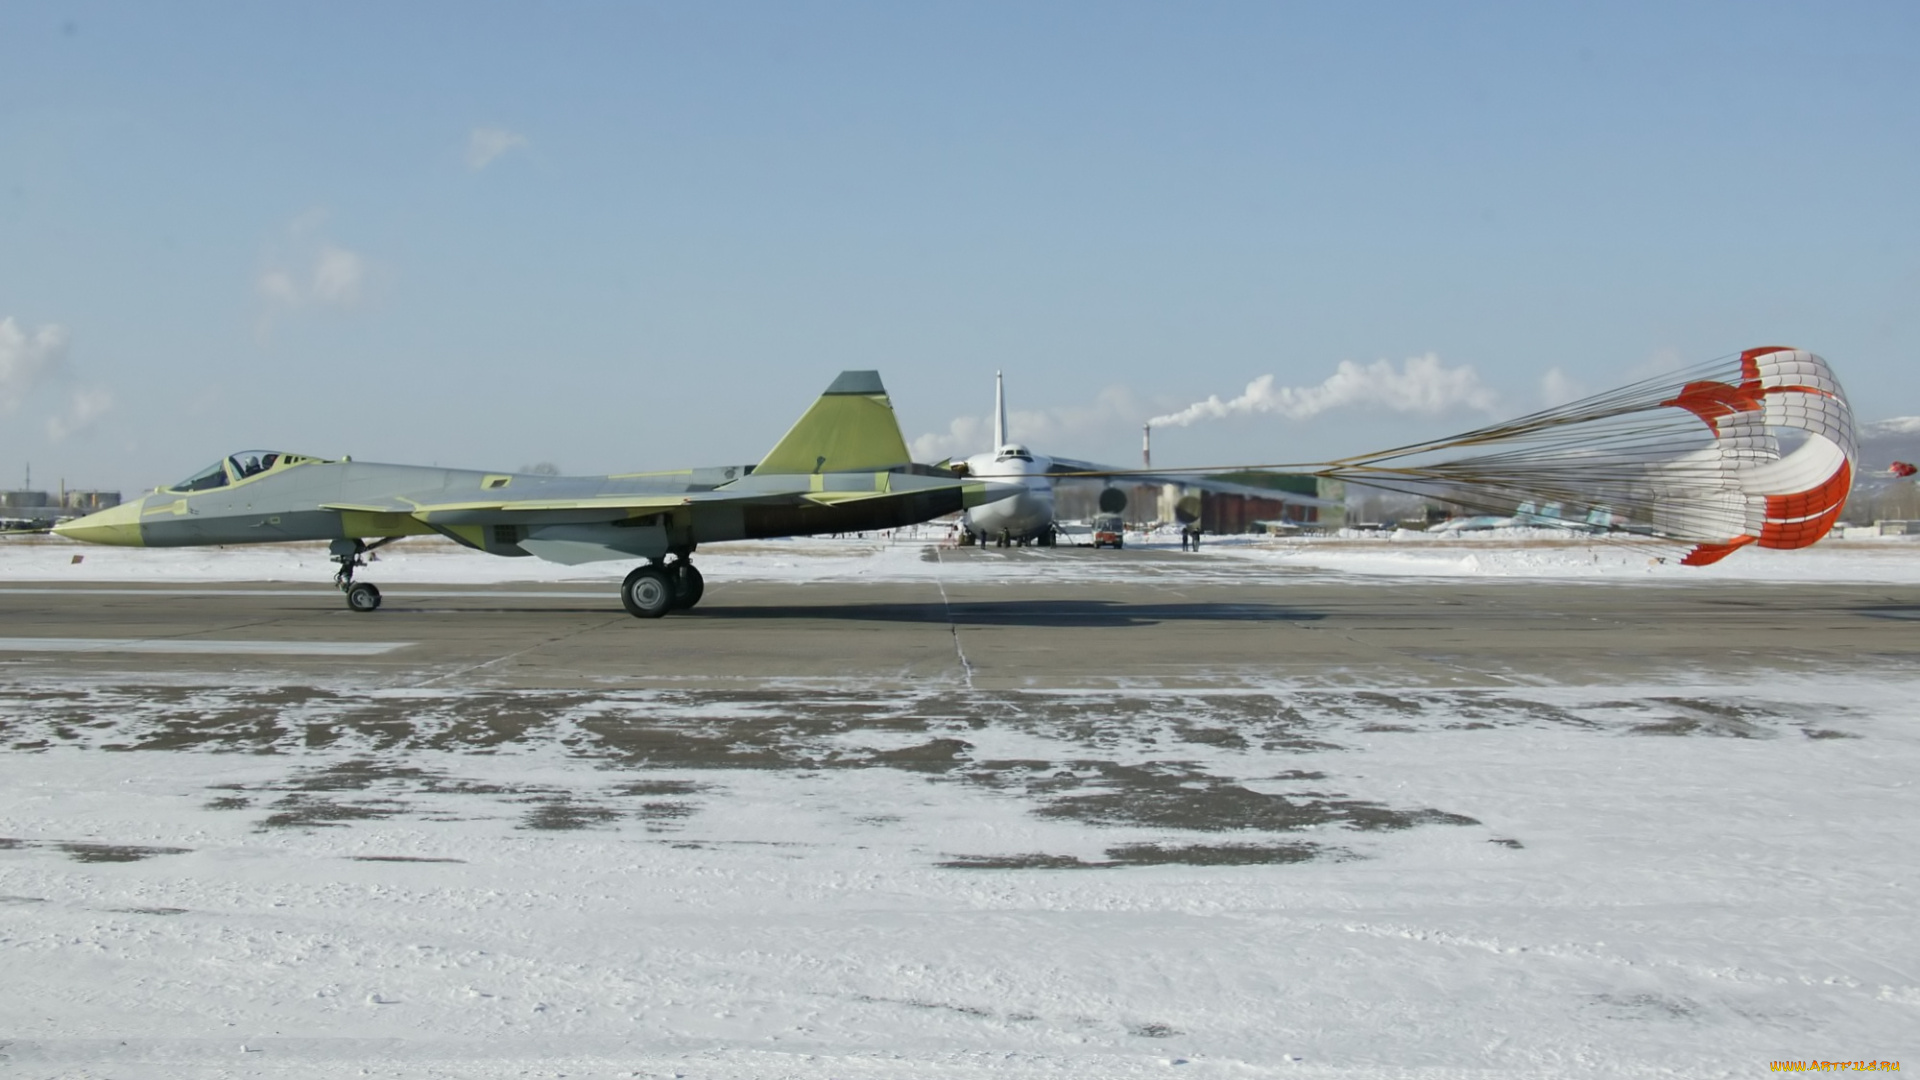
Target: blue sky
x=635, y=236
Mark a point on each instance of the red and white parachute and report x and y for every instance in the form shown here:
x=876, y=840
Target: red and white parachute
x=1742, y=490
x=1754, y=449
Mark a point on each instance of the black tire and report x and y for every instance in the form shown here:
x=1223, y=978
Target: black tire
x=363, y=596
x=688, y=586
x=647, y=593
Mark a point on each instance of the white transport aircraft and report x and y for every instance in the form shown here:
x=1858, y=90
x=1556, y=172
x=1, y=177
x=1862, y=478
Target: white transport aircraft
x=1027, y=516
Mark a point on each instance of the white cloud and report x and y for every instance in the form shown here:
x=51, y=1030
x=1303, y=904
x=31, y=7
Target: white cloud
x=965, y=435
x=88, y=405
x=1898, y=425
x=278, y=286
x=484, y=144
x=1558, y=388
x=31, y=362
x=308, y=271
x=330, y=277
x=1421, y=385
x=27, y=361
x=337, y=274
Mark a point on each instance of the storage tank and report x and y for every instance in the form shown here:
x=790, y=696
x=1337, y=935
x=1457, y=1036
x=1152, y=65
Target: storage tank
x=90, y=501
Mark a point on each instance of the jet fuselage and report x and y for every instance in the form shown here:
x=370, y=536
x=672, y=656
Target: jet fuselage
x=567, y=519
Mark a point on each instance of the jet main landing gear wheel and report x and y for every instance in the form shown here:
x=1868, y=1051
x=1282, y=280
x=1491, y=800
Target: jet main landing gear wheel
x=648, y=592
x=363, y=596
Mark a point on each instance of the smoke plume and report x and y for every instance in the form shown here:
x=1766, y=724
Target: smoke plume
x=1421, y=385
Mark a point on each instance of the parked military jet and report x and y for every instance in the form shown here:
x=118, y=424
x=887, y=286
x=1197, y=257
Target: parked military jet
x=842, y=468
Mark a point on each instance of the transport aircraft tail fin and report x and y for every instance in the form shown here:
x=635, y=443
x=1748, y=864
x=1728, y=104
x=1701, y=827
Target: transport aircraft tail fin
x=999, y=414
x=851, y=428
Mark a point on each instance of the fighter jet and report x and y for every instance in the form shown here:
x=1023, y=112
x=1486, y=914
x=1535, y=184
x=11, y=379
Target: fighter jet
x=842, y=468
x=1528, y=516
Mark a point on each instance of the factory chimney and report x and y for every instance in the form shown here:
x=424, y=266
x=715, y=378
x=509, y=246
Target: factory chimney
x=1146, y=446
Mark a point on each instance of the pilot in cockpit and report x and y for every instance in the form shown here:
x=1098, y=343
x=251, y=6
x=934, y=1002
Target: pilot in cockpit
x=253, y=463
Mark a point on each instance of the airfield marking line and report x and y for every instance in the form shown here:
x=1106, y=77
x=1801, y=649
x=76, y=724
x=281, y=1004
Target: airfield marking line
x=966, y=667
x=211, y=646
x=1402, y=654
x=186, y=636
x=406, y=592
x=517, y=652
x=220, y=646
x=1167, y=587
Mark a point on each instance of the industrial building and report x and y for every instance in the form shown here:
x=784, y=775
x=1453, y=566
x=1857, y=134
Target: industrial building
x=27, y=508
x=1247, y=509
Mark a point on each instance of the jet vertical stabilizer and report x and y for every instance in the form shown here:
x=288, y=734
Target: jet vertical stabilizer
x=851, y=428
x=999, y=413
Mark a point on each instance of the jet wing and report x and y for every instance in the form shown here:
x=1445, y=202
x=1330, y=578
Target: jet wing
x=767, y=491
x=1067, y=468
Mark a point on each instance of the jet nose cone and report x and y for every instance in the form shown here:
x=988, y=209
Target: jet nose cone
x=114, y=525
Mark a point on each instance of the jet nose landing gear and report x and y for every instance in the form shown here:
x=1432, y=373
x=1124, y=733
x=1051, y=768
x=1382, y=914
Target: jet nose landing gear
x=361, y=595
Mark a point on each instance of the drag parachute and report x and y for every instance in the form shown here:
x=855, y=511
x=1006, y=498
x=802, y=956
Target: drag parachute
x=1754, y=449
x=1757, y=448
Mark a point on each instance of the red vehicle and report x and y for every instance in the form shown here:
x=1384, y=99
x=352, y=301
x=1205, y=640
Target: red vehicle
x=1109, y=532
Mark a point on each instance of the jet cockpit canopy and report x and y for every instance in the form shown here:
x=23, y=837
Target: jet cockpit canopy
x=241, y=466
x=1013, y=451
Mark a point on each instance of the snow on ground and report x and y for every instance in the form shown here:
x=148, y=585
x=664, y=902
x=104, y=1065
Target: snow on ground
x=1544, y=554
x=1651, y=881
x=910, y=554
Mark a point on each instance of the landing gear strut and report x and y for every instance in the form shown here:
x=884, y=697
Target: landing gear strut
x=657, y=588
x=361, y=595
x=688, y=585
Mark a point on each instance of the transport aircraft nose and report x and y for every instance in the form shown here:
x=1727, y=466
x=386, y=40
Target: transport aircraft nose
x=114, y=525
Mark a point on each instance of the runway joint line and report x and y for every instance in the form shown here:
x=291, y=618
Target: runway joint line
x=966, y=666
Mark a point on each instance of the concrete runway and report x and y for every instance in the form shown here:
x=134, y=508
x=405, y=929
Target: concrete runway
x=1155, y=665
x=1154, y=632
x=1161, y=659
